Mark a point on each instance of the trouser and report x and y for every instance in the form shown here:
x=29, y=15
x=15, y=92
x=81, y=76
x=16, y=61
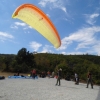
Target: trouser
x=89, y=81
x=33, y=75
x=77, y=80
x=58, y=80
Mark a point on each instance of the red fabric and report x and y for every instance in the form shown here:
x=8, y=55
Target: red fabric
x=48, y=73
x=34, y=71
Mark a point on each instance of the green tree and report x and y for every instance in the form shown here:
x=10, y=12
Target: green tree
x=25, y=60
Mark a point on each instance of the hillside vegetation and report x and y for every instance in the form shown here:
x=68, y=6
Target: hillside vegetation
x=25, y=61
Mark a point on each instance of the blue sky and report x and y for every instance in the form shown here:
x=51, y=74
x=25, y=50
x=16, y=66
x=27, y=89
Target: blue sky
x=77, y=22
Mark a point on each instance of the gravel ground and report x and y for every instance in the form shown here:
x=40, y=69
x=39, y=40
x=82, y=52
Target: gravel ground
x=45, y=89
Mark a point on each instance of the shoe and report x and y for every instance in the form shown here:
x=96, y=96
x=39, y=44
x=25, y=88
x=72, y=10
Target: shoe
x=55, y=84
x=86, y=87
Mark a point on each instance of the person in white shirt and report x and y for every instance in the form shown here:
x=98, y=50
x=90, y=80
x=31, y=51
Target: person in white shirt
x=76, y=79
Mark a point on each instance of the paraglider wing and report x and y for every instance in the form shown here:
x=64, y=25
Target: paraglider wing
x=38, y=20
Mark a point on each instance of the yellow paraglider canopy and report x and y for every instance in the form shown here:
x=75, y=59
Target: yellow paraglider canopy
x=38, y=20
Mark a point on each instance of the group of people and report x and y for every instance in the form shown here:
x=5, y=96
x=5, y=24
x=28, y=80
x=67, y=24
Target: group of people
x=42, y=74
x=59, y=75
x=89, y=78
x=50, y=75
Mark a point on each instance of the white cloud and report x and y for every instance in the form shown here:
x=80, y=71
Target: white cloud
x=34, y=45
x=30, y=27
x=14, y=27
x=5, y=36
x=54, y=4
x=63, y=53
x=91, y=19
x=46, y=49
x=94, y=15
x=85, y=38
x=64, y=44
x=24, y=25
x=48, y=15
x=64, y=9
x=43, y=3
x=97, y=48
x=20, y=24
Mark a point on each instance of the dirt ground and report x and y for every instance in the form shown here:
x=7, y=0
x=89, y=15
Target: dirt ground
x=45, y=89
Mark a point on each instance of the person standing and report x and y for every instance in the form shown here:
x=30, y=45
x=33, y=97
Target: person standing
x=17, y=73
x=53, y=74
x=48, y=74
x=76, y=79
x=33, y=73
x=89, y=80
x=59, y=77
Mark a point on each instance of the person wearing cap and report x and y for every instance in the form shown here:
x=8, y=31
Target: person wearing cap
x=59, y=77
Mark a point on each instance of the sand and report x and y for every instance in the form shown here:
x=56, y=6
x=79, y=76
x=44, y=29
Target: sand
x=45, y=89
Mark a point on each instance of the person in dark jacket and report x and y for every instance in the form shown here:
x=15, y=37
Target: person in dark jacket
x=89, y=80
x=59, y=77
